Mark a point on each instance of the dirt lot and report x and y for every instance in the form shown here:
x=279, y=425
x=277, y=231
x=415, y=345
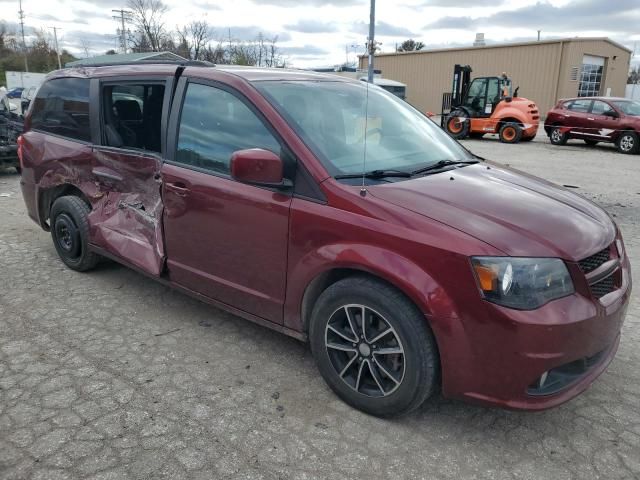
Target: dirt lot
x=111, y=375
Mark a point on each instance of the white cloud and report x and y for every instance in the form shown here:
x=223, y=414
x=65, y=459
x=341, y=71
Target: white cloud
x=322, y=32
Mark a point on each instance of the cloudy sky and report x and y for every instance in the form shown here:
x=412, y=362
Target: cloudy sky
x=324, y=32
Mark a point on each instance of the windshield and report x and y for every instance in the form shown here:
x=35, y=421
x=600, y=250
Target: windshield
x=331, y=118
x=629, y=107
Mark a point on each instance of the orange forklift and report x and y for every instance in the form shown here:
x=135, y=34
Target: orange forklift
x=487, y=105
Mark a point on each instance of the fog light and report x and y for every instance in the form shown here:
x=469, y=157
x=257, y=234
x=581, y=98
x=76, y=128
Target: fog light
x=543, y=379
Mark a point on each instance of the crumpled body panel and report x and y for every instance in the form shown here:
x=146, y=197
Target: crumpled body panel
x=123, y=190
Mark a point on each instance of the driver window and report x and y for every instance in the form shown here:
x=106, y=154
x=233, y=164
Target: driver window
x=215, y=123
x=476, y=98
x=493, y=94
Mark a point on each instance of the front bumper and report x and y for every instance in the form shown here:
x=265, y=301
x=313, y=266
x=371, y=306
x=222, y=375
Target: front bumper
x=572, y=340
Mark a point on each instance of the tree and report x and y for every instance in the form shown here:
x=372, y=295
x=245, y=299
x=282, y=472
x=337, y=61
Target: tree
x=193, y=38
x=147, y=19
x=634, y=76
x=410, y=46
x=110, y=52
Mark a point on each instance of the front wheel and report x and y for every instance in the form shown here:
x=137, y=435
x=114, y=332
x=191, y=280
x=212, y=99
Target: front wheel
x=373, y=347
x=457, y=124
x=558, y=137
x=628, y=142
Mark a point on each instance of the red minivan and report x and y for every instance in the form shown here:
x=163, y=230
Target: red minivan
x=332, y=211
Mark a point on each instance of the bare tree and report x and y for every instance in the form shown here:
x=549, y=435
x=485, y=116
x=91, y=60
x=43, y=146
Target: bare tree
x=410, y=46
x=86, y=47
x=193, y=38
x=147, y=18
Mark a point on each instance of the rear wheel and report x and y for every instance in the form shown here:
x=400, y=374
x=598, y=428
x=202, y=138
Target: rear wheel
x=591, y=143
x=70, y=233
x=557, y=136
x=373, y=347
x=628, y=142
x=457, y=124
x=510, y=133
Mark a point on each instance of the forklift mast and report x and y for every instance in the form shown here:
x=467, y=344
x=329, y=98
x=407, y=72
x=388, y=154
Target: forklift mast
x=461, y=80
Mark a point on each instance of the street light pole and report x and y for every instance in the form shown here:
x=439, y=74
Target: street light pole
x=372, y=42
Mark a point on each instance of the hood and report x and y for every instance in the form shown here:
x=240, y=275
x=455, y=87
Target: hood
x=519, y=214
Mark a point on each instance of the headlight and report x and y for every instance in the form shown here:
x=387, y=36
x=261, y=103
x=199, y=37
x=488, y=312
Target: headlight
x=522, y=283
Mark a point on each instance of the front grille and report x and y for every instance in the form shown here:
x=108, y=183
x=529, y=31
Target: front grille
x=603, y=287
x=589, y=264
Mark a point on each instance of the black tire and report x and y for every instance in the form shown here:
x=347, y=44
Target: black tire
x=591, y=143
x=510, y=133
x=70, y=233
x=416, y=369
x=628, y=143
x=557, y=136
x=527, y=139
x=457, y=124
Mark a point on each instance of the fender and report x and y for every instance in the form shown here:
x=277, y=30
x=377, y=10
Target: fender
x=404, y=274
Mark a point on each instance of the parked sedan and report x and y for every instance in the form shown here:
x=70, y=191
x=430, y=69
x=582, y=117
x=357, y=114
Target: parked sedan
x=15, y=92
x=596, y=119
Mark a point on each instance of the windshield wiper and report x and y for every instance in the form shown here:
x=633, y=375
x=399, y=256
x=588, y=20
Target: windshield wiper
x=442, y=164
x=376, y=174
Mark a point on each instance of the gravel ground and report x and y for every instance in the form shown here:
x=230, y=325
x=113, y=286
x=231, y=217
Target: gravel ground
x=110, y=375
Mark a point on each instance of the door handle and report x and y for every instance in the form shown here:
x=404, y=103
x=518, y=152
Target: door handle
x=590, y=118
x=178, y=188
x=106, y=174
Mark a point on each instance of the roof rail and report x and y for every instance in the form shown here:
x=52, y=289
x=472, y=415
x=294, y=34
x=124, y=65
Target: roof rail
x=178, y=63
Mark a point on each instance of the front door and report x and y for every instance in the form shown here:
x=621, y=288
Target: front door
x=126, y=171
x=224, y=239
x=605, y=120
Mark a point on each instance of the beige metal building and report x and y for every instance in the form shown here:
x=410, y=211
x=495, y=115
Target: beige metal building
x=545, y=71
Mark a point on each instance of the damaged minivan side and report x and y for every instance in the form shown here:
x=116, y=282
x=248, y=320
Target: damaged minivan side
x=329, y=210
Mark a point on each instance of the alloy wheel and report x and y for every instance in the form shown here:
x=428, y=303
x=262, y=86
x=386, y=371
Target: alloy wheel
x=365, y=350
x=627, y=142
x=556, y=136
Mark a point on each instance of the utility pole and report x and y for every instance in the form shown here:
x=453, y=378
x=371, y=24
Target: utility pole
x=55, y=42
x=539, y=34
x=123, y=16
x=372, y=42
x=24, y=43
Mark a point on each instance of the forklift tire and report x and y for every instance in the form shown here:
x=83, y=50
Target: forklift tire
x=510, y=133
x=457, y=124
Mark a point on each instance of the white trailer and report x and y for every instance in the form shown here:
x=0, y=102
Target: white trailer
x=24, y=79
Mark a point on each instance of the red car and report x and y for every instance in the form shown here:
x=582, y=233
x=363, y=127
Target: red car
x=596, y=119
x=409, y=265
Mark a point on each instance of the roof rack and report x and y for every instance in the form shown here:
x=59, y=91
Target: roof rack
x=177, y=63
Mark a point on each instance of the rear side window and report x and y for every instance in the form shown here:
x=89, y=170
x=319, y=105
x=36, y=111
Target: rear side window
x=214, y=124
x=579, y=106
x=62, y=108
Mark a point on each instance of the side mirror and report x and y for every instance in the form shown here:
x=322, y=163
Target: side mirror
x=258, y=167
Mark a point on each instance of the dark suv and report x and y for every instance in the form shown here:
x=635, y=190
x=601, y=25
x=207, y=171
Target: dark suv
x=332, y=211
x=596, y=119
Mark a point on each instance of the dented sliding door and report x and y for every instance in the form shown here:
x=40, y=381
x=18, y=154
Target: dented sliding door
x=128, y=218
